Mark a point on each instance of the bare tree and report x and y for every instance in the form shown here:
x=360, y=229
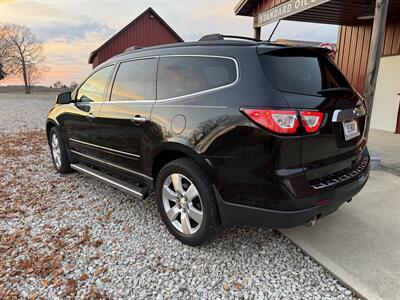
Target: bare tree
x=73, y=85
x=4, y=53
x=34, y=75
x=23, y=53
x=2, y=73
x=58, y=84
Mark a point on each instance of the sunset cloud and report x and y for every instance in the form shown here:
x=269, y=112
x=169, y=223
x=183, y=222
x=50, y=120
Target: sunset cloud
x=70, y=30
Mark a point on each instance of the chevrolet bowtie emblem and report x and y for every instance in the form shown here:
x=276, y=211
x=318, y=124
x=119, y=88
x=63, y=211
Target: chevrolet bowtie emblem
x=357, y=112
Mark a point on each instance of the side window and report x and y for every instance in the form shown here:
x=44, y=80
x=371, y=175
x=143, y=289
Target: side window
x=94, y=87
x=184, y=75
x=135, y=80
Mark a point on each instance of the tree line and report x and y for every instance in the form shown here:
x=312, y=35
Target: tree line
x=60, y=85
x=21, y=54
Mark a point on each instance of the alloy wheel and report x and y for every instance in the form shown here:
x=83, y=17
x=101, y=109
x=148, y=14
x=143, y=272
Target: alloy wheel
x=182, y=203
x=56, y=150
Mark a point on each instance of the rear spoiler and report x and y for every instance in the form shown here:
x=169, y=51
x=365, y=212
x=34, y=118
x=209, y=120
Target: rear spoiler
x=298, y=50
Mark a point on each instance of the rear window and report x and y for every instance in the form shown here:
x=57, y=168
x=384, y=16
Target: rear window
x=301, y=72
x=184, y=75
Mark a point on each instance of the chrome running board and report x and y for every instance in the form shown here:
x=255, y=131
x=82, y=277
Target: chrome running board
x=114, y=182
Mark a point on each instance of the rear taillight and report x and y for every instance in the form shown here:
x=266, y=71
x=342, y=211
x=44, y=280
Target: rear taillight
x=311, y=120
x=285, y=121
x=279, y=121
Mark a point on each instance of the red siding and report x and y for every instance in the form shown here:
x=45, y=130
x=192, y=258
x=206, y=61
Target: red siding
x=354, y=43
x=265, y=5
x=147, y=31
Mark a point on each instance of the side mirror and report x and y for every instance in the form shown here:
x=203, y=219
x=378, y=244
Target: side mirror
x=64, y=98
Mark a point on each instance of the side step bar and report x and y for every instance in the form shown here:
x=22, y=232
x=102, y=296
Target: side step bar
x=115, y=182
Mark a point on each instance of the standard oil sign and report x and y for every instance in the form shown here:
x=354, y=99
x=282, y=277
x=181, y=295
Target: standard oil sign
x=286, y=9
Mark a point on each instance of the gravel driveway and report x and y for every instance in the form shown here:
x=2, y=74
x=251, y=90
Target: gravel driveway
x=74, y=237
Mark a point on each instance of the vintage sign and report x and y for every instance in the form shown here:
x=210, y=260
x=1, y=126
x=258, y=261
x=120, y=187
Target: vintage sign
x=284, y=10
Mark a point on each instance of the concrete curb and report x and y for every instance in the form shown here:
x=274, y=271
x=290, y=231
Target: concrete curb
x=345, y=279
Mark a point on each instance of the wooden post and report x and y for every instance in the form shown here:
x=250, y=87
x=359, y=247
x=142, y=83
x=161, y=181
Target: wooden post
x=257, y=33
x=375, y=53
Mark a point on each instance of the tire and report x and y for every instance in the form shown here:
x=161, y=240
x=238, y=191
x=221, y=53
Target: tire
x=58, y=151
x=193, y=221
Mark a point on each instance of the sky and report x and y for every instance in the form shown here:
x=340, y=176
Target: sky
x=71, y=29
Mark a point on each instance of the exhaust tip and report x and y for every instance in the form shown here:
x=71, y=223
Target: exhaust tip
x=312, y=221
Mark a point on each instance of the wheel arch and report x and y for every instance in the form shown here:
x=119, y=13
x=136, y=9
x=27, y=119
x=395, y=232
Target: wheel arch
x=172, y=151
x=50, y=123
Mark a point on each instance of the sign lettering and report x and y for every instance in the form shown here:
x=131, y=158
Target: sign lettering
x=284, y=10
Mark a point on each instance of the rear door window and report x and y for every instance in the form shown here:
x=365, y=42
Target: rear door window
x=186, y=75
x=301, y=72
x=135, y=80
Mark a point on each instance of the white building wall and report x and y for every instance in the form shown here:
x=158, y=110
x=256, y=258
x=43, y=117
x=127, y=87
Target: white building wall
x=386, y=103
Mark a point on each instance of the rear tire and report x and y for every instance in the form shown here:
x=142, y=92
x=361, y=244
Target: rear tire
x=186, y=202
x=59, y=151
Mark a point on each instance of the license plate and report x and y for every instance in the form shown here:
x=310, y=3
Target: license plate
x=351, y=130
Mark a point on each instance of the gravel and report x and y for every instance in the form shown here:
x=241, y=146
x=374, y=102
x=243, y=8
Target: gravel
x=19, y=112
x=71, y=236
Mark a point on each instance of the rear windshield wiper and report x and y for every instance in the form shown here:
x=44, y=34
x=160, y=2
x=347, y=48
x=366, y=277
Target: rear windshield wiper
x=335, y=90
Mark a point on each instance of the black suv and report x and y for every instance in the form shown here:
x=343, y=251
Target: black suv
x=224, y=132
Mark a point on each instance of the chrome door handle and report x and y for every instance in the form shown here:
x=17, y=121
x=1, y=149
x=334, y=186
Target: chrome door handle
x=91, y=116
x=138, y=119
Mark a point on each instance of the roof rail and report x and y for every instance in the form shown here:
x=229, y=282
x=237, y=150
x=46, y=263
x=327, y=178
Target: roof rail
x=133, y=48
x=221, y=37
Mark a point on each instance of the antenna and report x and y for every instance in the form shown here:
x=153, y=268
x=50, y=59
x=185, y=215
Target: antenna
x=273, y=31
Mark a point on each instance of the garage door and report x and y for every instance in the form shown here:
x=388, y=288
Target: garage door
x=386, y=104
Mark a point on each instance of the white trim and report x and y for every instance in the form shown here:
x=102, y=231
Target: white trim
x=144, y=102
x=88, y=156
x=336, y=115
x=197, y=106
x=104, y=148
x=183, y=96
x=349, y=114
x=128, y=170
x=111, y=164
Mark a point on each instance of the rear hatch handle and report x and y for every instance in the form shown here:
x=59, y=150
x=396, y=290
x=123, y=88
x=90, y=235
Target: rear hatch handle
x=340, y=115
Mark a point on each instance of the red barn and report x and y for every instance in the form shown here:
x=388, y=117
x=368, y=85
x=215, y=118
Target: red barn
x=148, y=29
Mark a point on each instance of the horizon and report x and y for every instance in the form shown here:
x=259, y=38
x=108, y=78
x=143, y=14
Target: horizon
x=70, y=32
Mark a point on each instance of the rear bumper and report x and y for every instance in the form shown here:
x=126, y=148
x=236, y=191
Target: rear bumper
x=237, y=214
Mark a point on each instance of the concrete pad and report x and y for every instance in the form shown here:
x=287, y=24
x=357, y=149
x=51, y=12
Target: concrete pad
x=360, y=243
x=387, y=145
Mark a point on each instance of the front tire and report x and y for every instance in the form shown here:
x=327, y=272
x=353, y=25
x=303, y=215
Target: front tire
x=186, y=202
x=59, y=151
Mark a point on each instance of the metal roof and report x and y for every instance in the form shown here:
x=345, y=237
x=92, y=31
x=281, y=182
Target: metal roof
x=245, y=7
x=149, y=10
x=339, y=12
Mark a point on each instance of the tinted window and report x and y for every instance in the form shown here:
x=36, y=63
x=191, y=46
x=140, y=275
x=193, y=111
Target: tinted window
x=135, y=80
x=94, y=87
x=178, y=76
x=301, y=73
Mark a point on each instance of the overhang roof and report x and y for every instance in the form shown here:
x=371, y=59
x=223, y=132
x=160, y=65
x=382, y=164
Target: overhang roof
x=339, y=12
x=246, y=7
x=149, y=10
